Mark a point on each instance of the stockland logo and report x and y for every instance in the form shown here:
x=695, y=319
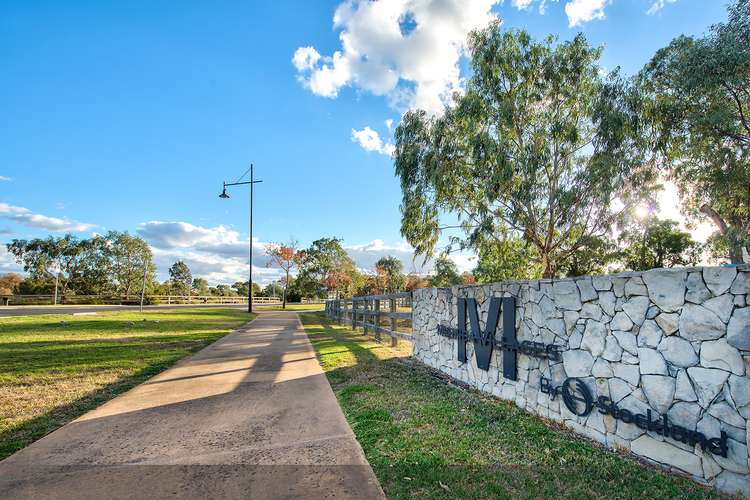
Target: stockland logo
x=485, y=341
x=579, y=399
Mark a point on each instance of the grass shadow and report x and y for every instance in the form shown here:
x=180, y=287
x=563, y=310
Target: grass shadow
x=41, y=364
x=426, y=438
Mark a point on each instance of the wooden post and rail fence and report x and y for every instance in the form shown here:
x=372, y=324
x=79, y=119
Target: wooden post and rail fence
x=388, y=314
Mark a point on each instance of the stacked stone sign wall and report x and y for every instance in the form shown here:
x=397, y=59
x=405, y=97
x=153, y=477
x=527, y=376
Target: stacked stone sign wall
x=672, y=345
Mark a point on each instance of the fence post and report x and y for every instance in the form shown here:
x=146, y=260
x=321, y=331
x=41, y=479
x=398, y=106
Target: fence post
x=377, y=320
x=354, y=315
x=394, y=324
x=367, y=317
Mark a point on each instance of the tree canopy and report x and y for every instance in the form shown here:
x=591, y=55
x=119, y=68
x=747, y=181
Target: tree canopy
x=658, y=243
x=389, y=274
x=326, y=267
x=446, y=273
x=537, y=149
x=287, y=257
x=699, y=107
x=181, y=277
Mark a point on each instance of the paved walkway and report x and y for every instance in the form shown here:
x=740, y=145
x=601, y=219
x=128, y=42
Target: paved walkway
x=251, y=416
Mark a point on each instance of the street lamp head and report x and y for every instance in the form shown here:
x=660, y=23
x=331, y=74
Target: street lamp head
x=224, y=194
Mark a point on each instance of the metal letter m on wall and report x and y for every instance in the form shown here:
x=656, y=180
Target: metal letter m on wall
x=484, y=341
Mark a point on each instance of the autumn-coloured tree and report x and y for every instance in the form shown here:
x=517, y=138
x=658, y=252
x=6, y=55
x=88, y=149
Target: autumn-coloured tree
x=287, y=257
x=415, y=281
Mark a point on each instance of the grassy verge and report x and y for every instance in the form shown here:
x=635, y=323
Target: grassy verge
x=54, y=368
x=427, y=439
x=292, y=307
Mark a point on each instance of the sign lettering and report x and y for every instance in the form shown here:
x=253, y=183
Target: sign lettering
x=579, y=400
x=485, y=341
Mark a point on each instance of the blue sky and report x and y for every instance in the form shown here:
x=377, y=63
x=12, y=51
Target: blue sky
x=129, y=115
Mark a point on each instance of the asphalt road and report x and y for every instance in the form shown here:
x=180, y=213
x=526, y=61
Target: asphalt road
x=9, y=311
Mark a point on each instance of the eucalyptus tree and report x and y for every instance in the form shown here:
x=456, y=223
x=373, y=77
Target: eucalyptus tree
x=389, y=274
x=130, y=258
x=326, y=267
x=446, y=273
x=181, y=277
x=537, y=148
x=287, y=257
x=68, y=261
x=658, y=243
x=699, y=105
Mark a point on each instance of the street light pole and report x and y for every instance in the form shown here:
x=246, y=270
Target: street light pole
x=250, y=281
x=225, y=195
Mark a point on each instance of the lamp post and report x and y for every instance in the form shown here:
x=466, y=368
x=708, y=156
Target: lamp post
x=224, y=195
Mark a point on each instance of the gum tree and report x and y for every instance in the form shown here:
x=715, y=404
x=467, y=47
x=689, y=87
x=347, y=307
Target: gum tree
x=287, y=257
x=699, y=106
x=181, y=276
x=537, y=148
x=446, y=273
x=326, y=267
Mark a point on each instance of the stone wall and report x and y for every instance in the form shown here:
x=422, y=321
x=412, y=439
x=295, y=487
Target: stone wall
x=672, y=341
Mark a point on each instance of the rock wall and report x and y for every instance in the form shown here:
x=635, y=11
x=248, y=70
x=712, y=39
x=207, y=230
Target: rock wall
x=672, y=342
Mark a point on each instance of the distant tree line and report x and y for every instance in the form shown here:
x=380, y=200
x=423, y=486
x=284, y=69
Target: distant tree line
x=115, y=264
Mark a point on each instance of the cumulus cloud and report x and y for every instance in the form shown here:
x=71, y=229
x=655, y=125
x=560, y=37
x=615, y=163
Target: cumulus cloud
x=365, y=256
x=219, y=240
x=26, y=217
x=370, y=141
x=522, y=4
x=8, y=263
x=407, y=50
x=305, y=58
x=583, y=11
x=214, y=268
x=4, y=178
x=217, y=253
x=657, y=5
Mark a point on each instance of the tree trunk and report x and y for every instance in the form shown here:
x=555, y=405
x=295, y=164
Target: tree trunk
x=286, y=285
x=735, y=246
x=549, y=270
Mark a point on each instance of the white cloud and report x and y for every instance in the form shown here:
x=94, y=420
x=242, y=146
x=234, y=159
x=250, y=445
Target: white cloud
x=305, y=58
x=365, y=256
x=658, y=5
x=26, y=217
x=522, y=4
x=4, y=178
x=389, y=123
x=370, y=141
x=583, y=11
x=8, y=263
x=217, y=253
x=214, y=268
x=219, y=239
x=407, y=50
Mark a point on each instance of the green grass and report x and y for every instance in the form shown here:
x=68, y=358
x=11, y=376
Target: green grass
x=292, y=307
x=426, y=438
x=54, y=368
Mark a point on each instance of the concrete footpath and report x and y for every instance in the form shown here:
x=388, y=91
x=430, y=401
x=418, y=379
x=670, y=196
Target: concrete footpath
x=251, y=416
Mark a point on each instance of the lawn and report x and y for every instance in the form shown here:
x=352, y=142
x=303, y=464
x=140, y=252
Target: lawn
x=291, y=307
x=426, y=438
x=54, y=368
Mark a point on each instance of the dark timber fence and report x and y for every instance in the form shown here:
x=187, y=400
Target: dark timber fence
x=390, y=314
